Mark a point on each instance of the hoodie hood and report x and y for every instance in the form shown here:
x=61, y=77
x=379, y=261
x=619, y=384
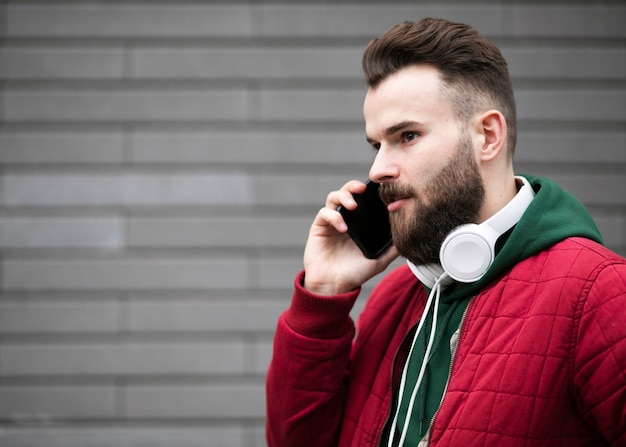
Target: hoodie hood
x=552, y=216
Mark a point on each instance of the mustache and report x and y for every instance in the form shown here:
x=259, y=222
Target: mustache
x=390, y=192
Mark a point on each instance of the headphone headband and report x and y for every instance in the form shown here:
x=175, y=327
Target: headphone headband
x=512, y=212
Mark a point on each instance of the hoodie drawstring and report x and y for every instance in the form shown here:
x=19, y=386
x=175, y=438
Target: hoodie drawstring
x=434, y=296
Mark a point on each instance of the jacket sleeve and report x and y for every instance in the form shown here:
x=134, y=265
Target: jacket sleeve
x=600, y=360
x=307, y=377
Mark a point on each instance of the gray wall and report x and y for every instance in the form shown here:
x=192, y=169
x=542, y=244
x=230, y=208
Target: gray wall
x=161, y=162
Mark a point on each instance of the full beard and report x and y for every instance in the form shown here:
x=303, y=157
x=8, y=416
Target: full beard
x=454, y=197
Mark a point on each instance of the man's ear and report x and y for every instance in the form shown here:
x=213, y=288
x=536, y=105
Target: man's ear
x=492, y=126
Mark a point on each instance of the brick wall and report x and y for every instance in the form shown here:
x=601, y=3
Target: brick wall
x=162, y=161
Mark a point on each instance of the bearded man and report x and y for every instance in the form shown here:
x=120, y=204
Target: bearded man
x=527, y=349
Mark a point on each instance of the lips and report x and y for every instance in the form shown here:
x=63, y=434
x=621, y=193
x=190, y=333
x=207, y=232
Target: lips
x=396, y=204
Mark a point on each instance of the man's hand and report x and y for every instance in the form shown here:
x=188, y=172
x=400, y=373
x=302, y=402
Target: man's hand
x=333, y=263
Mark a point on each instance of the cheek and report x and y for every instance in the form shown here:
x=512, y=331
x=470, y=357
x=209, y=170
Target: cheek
x=433, y=151
x=422, y=172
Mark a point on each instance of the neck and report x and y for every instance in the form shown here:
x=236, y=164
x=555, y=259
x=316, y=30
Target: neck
x=498, y=192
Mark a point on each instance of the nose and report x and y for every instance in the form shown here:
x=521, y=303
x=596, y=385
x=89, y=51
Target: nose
x=384, y=168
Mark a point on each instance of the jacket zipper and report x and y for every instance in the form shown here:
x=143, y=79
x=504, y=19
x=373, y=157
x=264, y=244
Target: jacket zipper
x=461, y=324
x=393, y=366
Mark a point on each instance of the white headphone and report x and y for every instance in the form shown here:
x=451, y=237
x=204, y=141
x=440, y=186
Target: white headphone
x=468, y=251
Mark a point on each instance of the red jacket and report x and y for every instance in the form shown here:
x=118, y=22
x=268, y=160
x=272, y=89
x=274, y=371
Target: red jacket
x=541, y=359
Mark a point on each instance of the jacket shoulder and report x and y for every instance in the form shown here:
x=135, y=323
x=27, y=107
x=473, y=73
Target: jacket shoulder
x=574, y=257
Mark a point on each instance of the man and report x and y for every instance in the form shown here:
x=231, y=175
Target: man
x=528, y=349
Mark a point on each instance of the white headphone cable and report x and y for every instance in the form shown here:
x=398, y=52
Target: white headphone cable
x=436, y=294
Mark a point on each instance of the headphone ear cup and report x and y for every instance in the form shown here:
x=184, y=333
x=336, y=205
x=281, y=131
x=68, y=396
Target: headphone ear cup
x=468, y=251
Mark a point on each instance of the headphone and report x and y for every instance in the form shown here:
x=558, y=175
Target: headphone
x=468, y=251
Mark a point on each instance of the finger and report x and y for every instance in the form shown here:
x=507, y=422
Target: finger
x=354, y=186
x=344, y=196
x=331, y=217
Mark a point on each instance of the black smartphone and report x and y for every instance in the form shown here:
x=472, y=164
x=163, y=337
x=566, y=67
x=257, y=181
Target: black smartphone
x=368, y=224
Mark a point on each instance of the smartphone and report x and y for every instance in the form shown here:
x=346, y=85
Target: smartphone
x=368, y=223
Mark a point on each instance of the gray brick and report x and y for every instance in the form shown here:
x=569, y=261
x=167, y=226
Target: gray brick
x=57, y=232
x=145, y=359
x=3, y=17
x=368, y=20
x=190, y=315
x=312, y=105
x=68, y=317
x=572, y=105
x=241, y=400
x=277, y=273
x=289, y=147
x=613, y=229
x=247, y=231
x=165, y=273
x=119, y=20
x=45, y=403
x=606, y=21
x=56, y=105
x=225, y=435
x=264, y=351
x=595, y=189
x=61, y=63
x=589, y=62
x=571, y=146
x=259, y=439
x=170, y=188
x=247, y=63
x=303, y=190
x=49, y=147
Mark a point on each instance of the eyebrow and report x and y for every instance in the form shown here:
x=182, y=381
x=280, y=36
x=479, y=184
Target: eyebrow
x=402, y=125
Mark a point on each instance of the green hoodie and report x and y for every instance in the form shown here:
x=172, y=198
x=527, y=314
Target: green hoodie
x=551, y=217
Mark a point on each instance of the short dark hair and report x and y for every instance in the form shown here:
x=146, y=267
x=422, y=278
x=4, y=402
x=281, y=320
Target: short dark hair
x=471, y=67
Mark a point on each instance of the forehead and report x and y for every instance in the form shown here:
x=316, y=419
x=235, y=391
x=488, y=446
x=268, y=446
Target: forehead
x=414, y=93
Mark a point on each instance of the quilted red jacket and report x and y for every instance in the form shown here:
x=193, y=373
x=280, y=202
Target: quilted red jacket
x=541, y=359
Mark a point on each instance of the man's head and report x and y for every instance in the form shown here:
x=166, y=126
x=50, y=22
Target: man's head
x=434, y=113
x=472, y=68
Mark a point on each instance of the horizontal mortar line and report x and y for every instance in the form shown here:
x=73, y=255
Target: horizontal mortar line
x=250, y=40
x=157, y=292
x=157, y=210
x=146, y=337
x=154, y=252
x=261, y=168
x=239, y=82
x=167, y=124
x=121, y=380
x=122, y=421
x=124, y=127
x=177, y=167
x=262, y=39
x=231, y=296
x=181, y=84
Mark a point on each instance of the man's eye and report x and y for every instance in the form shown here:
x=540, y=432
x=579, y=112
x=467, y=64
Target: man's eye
x=409, y=136
x=375, y=146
